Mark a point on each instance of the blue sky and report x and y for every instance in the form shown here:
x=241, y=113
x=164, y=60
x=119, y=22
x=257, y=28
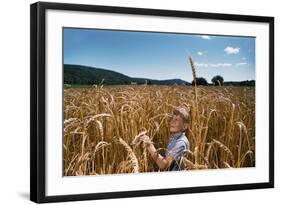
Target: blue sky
x=161, y=55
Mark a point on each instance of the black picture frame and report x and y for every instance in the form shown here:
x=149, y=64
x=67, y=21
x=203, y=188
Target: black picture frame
x=38, y=100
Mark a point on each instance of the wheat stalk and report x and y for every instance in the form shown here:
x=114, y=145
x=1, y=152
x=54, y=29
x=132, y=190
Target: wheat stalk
x=131, y=155
x=193, y=69
x=225, y=148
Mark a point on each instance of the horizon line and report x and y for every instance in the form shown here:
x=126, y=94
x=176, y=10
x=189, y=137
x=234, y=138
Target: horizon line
x=151, y=78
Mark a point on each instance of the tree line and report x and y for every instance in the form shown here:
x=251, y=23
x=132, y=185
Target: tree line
x=219, y=81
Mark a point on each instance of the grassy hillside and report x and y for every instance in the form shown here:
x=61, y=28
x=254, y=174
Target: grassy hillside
x=84, y=75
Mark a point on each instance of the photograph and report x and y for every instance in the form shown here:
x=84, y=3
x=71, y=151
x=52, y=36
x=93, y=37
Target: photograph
x=145, y=101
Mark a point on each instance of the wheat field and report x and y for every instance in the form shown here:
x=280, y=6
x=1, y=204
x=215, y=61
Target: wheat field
x=101, y=123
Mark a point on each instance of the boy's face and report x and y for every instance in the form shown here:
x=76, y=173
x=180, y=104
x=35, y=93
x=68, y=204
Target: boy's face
x=177, y=124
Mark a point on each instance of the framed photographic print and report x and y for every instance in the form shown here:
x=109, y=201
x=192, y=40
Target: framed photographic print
x=129, y=102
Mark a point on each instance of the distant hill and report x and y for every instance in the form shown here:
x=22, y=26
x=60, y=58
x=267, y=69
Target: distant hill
x=85, y=75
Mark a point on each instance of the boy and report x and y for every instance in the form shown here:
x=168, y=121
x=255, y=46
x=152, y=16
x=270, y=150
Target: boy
x=178, y=143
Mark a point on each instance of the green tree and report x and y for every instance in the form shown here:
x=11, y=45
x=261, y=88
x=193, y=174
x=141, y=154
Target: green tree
x=217, y=80
x=200, y=81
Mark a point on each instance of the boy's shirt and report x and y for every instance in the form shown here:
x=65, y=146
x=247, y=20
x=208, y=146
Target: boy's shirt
x=177, y=147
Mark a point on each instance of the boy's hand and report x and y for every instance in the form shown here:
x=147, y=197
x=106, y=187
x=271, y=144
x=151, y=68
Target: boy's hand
x=146, y=140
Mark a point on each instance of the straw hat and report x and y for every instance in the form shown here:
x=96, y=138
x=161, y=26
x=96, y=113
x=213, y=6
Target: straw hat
x=182, y=112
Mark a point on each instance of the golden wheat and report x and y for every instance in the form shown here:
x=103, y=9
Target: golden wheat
x=221, y=129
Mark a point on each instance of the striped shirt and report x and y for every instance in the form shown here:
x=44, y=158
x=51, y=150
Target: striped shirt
x=178, y=147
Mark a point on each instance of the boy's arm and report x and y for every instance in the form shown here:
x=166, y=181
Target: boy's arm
x=162, y=162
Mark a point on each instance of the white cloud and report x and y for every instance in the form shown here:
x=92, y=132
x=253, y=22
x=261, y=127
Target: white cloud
x=213, y=65
x=206, y=37
x=231, y=50
x=201, y=64
x=200, y=53
x=216, y=65
x=241, y=64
